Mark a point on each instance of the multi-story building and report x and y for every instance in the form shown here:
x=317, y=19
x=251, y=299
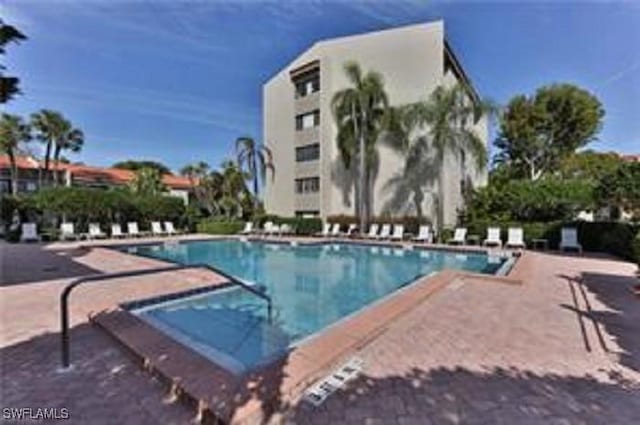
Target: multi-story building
x=30, y=172
x=300, y=130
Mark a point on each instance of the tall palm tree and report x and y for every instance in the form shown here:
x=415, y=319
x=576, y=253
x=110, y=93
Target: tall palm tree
x=255, y=159
x=69, y=139
x=359, y=112
x=234, y=188
x=48, y=126
x=448, y=114
x=147, y=182
x=13, y=132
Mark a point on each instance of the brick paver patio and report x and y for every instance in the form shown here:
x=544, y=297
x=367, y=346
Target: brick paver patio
x=562, y=348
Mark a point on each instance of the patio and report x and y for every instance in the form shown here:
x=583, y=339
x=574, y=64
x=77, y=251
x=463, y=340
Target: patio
x=561, y=348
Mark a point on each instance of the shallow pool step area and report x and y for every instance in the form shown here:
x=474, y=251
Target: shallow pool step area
x=319, y=392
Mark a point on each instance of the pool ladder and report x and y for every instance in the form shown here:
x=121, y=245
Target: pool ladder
x=64, y=296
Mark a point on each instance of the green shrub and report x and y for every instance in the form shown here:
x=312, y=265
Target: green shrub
x=636, y=248
x=219, y=226
x=411, y=223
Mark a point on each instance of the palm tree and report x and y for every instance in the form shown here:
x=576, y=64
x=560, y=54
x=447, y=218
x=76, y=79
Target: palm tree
x=255, y=159
x=234, y=188
x=48, y=126
x=13, y=132
x=147, y=182
x=8, y=84
x=448, y=113
x=69, y=138
x=359, y=113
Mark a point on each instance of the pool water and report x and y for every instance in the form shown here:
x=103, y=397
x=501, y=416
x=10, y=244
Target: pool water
x=311, y=287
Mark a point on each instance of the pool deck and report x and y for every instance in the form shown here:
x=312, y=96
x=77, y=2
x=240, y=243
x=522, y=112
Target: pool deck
x=562, y=347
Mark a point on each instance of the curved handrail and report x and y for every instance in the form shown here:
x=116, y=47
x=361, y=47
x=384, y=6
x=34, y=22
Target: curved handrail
x=64, y=295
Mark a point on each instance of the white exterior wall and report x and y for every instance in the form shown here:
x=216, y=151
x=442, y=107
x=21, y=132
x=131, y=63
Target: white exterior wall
x=411, y=60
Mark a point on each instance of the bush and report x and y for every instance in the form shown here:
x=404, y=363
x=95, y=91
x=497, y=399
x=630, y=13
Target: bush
x=636, y=248
x=411, y=223
x=219, y=226
x=608, y=237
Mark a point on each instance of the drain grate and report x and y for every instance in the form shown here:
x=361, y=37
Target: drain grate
x=318, y=393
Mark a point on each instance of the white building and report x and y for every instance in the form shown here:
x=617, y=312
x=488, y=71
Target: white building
x=300, y=130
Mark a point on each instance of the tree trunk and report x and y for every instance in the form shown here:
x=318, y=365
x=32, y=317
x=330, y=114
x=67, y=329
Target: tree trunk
x=361, y=147
x=56, y=160
x=14, y=172
x=256, y=201
x=418, y=197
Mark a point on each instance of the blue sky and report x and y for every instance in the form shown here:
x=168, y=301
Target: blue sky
x=178, y=81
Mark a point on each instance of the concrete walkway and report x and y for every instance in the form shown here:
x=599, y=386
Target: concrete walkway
x=562, y=348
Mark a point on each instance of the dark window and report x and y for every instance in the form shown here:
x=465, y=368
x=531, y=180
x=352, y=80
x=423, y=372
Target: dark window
x=307, y=84
x=308, y=185
x=308, y=120
x=307, y=213
x=308, y=153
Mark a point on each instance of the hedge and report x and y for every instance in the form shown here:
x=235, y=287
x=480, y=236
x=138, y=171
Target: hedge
x=219, y=226
x=411, y=223
x=82, y=205
x=619, y=239
x=300, y=225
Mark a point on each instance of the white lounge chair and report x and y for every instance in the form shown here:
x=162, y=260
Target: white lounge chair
x=29, y=232
x=515, y=238
x=68, y=232
x=170, y=229
x=373, y=232
x=156, y=229
x=385, y=232
x=95, y=232
x=132, y=229
x=248, y=228
x=335, y=230
x=286, y=229
x=569, y=239
x=326, y=228
x=493, y=237
x=398, y=232
x=271, y=229
x=116, y=231
x=350, y=231
x=459, y=236
x=424, y=234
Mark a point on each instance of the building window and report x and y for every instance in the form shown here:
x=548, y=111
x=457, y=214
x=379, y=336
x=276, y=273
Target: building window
x=308, y=153
x=308, y=185
x=307, y=213
x=308, y=120
x=307, y=85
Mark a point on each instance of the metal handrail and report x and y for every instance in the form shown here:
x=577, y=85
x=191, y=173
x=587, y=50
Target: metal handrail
x=64, y=296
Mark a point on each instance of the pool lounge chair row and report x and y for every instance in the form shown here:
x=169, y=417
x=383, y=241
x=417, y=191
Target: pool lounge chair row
x=68, y=231
x=515, y=238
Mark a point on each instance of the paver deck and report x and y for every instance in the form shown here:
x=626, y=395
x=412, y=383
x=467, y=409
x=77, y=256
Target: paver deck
x=562, y=348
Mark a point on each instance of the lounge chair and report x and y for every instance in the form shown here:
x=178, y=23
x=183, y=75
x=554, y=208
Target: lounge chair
x=156, y=229
x=116, y=231
x=67, y=232
x=335, y=230
x=493, y=237
x=398, y=232
x=385, y=232
x=29, y=232
x=373, y=232
x=286, y=229
x=569, y=239
x=271, y=229
x=515, y=238
x=459, y=236
x=170, y=229
x=350, y=231
x=424, y=234
x=326, y=228
x=95, y=232
x=248, y=228
x=133, y=231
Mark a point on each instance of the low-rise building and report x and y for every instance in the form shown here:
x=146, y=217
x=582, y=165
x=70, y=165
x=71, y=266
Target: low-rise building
x=31, y=173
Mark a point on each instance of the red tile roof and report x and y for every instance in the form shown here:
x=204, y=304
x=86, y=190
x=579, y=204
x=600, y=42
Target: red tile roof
x=97, y=174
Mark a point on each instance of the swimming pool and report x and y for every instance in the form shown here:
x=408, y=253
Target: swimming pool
x=311, y=287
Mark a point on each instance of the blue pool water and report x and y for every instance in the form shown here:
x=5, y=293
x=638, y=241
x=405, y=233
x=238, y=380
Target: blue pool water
x=311, y=288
